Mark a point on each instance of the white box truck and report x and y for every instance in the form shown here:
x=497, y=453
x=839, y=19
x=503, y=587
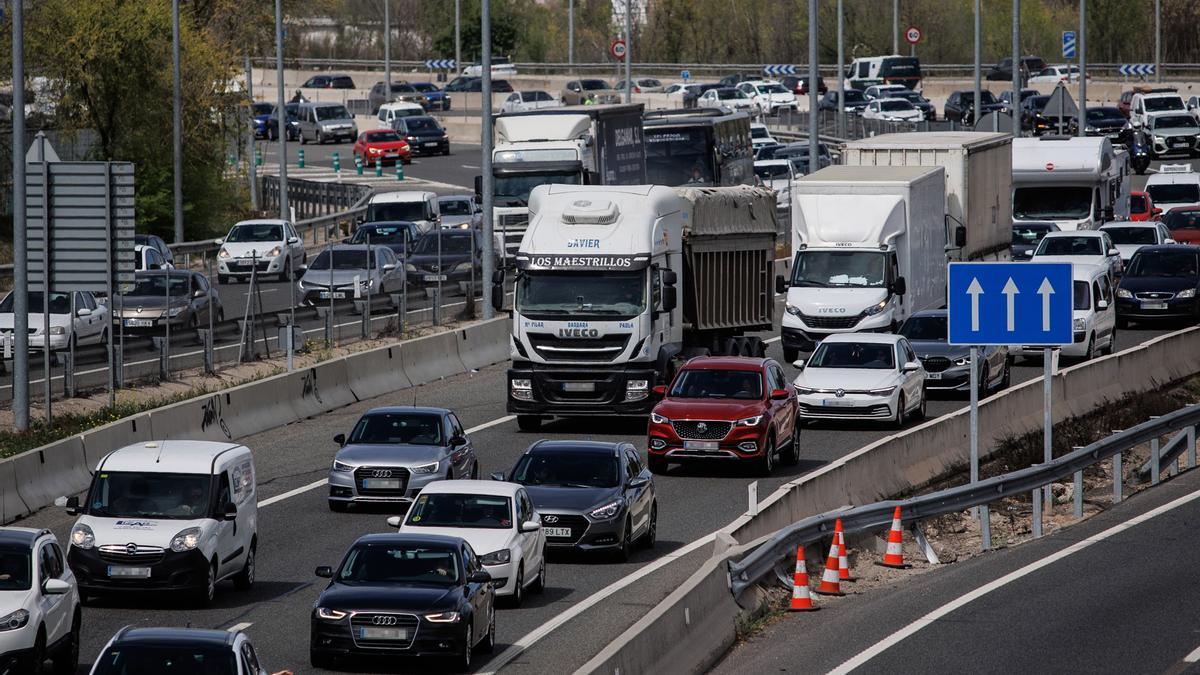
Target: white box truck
x=1077, y=183
x=869, y=250
x=978, y=183
x=617, y=284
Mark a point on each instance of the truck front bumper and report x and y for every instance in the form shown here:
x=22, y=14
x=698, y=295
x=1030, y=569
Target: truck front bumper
x=624, y=389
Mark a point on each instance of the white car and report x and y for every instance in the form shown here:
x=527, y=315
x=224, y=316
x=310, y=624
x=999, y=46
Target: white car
x=727, y=97
x=1144, y=105
x=535, y=99
x=769, y=96
x=1094, y=321
x=1056, y=74
x=501, y=67
x=857, y=376
x=882, y=91
x=39, y=603
x=777, y=174
x=89, y=325
x=1129, y=236
x=893, y=110
x=1080, y=247
x=148, y=258
x=497, y=519
x=1174, y=185
x=272, y=246
x=760, y=136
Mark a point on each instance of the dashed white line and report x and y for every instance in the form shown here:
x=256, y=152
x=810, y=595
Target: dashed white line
x=240, y=626
x=1192, y=657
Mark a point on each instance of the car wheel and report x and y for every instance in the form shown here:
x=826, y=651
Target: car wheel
x=920, y=414
x=67, y=659
x=539, y=584
x=205, y=595
x=898, y=422
x=657, y=464
x=983, y=382
x=1091, y=348
x=475, y=470
x=285, y=275
x=320, y=660
x=518, y=596
x=1111, y=346
x=462, y=662
x=303, y=139
x=529, y=422
x=337, y=506
x=791, y=456
x=489, y=641
x=651, y=535
x=765, y=465
x=244, y=580
x=36, y=659
x=1006, y=379
x=320, y=138
x=272, y=135
x=622, y=552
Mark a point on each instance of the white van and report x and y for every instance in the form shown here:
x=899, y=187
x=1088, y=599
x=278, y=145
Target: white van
x=389, y=112
x=1095, y=315
x=1174, y=185
x=414, y=206
x=894, y=69
x=167, y=516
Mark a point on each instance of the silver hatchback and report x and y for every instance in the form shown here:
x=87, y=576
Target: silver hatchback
x=392, y=453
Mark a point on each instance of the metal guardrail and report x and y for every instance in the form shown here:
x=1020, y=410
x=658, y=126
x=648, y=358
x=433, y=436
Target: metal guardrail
x=782, y=545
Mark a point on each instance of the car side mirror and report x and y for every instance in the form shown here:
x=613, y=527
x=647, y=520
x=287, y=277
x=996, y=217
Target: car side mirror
x=394, y=521
x=498, y=277
x=779, y=394
x=780, y=283
x=911, y=367
x=458, y=440
x=669, y=299
x=1101, y=304
x=479, y=577
x=303, y=268
x=340, y=439
x=390, y=267
x=499, y=475
x=229, y=511
x=293, y=240
x=83, y=311
x=899, y=286
x=1136, y=124
x=55, y=587
x=346, y=240
x=1156, y=211
x=798, y=364
x=637, y=482
x=197, y=294
x=660, y=390
x=479, y=188
x=219, y=241
x=531, y=526
x=1170, y=241
x=1113, y=252
x=72, y=506
x=324, y=571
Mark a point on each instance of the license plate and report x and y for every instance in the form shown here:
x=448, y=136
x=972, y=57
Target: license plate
x=380, y=484
x=373, y=633
x=435, y=277
x=933, y=376
x=134, y=572
x=837, y=403
x=139, y=323
x=579, y=386
x=1154, y=305
x=701, y=445
x=557, y=531
x=337, y=295
x=431, y=145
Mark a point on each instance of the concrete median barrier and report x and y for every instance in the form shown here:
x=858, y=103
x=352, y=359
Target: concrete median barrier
x=12, y=506
x=484, y=343
x=434, y=357
x=100, y=441
x=377, y=372
x=319, y=389
x=52, y=471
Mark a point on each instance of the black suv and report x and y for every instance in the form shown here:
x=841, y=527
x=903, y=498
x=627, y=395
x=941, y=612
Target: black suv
x=424, y=135
x=1003, y=71
x=329, y=82
x=960, y=108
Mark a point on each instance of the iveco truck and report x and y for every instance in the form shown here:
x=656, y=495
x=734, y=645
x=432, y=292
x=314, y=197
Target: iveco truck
x=617, y=284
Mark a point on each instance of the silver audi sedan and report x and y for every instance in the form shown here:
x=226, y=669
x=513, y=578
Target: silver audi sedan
x=394, y=452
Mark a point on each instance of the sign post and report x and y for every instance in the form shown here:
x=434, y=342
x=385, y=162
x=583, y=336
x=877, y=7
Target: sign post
x=1022, y=304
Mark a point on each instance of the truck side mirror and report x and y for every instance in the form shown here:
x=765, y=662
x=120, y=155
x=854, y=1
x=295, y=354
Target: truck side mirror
x=899, y=286
x=669, y=299
x=479, y=189
x=497, y=297
x=780, y=283
x=669, y=277
x=960, y=236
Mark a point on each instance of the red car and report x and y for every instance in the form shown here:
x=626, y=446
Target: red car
x=1142, y=208
x=1184, y=224
x=725, y=408
x=382, y=145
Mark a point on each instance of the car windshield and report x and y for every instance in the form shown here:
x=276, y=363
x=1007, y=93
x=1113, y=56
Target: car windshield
x=514, y=190
x=179, y=659
x=452, y=243
x=380, y=234
x=759, y=132
x=126, y=494
x=1038, y=103
x=1029, y=234
x=331, y=112
x=15, y=571
x=1082, y=295
x=871, y=355
x=568, y=469
x=771, y=172
x=892, y=106
x=1052, y=202
x=1132, y=235
x=455, y=207
x=1102, y=113
x=1173, y=122
x=725, y=94
x=858, y=269
x=704, y=383
x=156, y=285
x=1177, y=220
x=264, y=108
x=1137, y=204
x=1158, y=104
x=1163, y=264
x=383, y=137
x=426, y=125
x=1070, y=246
x=854, y=96
x=60, y=303
x=411, y=210
x=985, y=96
x=910, y=96
x=255, y=232
x=403, y=428
x=343, y=259
x=556, y=294
x=424, y=87
x=771, y=89
x=1174, y=193
x=925, y=328
x=456, y=510
x=593, y=85
x=380, y=563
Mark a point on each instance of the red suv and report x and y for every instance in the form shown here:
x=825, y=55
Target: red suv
x=725, y=408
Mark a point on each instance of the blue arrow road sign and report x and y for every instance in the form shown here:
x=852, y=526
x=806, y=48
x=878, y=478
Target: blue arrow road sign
x=1010, y=304
x=685, y=74
x=1128, y=69
x=440, y=64
x=782, y=69
x=1068, y=44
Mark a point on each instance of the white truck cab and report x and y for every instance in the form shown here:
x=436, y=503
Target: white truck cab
x=1075, y=183
x=167, y=516
x=1174, y=185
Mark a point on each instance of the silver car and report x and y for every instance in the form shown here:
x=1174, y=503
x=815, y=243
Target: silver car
x=460, y=212
x=344, y=273
x=320, y=122
x=394, y=452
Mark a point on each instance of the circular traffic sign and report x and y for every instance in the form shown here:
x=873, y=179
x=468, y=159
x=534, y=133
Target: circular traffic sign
x=617, y=49
x=912, y=35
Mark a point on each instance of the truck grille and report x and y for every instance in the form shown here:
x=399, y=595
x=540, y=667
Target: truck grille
x=513, y=221
x=830, y=322
x=601, y=349
x=578, y=525
x=935, y=364
x=701, y=431
x=120, y=554
x=408, y=622
x=381, y=473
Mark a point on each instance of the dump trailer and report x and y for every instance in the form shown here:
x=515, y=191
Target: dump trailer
x=617, y=285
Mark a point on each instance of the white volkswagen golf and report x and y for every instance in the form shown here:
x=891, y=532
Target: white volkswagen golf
x=862, y=376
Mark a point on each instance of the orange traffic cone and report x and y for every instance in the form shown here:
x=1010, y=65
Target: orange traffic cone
x=895, y=546
x=801, y=600
x=843, y=563
x=829, y=578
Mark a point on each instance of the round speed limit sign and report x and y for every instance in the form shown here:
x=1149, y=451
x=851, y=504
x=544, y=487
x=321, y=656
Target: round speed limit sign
x=912, y=35
x=617, y=49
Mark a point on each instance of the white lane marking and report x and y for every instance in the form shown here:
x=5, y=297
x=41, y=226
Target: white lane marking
x=239, y=626
x=774, y=339
x=469, y=166
x=316, y=484
x=897, y=637
x=514, y=650
x=1192, y=657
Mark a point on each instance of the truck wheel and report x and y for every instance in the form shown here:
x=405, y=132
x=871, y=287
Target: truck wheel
x=757, y=348
x=729, y=347
x=529, y=422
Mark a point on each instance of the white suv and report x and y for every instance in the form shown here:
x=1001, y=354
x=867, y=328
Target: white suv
x=769, y=96
x=39, y=603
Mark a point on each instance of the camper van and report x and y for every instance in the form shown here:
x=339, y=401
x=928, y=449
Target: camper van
x=1078, y=183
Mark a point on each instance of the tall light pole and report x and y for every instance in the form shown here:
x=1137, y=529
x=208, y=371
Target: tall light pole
x=252, y=170
x=1082, y=131
x=20, y=262
x=177, y=122
x=895, y=26
x=1158, y=40
x=1015, y=107
x=284, y=212
x=571, y=32
x=628, y=49
x=975, y=101
x=814, y=148
x=841, y=73
x=485, y=16
x=458, y=35
x=387, y=50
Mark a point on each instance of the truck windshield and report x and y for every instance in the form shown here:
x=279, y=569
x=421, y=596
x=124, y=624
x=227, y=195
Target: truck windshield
x=397, y=211
x=514, y=190
x=552, y=294
x=126, y=494
x=822, y=269
x=1174, y=193
x=1052, y=202
x=678, y=156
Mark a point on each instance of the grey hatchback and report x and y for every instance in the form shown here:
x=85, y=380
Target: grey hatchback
x=394, y=452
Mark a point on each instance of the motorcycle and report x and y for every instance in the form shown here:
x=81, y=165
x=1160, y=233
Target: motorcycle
x=1139, y=153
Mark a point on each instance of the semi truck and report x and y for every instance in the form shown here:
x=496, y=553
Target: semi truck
x=617, y=284
x=580, y=145
x=978, y=183
x=1078, y=183
x=869, y=251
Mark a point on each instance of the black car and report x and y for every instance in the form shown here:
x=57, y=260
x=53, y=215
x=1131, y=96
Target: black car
x=798, y=84
x=855, y=101
x=1027, y=235
x=920, y=102
x=1160, y=282
x=960, y=105
x=396, y=235
x=464, y=83
x=1035, y=118
x=947, y=366
x=292, y=125
x=424, y=135
x=404, y=595
x=1006, y=97
x=593, y=496
x=693, y=93
x=170, y=650
x=1003, y=70
x=401, y=91
x=331, y=81
x=736, y=79
x=450, y=255
x=1108, y=121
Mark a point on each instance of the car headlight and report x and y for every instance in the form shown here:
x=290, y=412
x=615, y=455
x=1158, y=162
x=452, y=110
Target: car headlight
x=373, y=151
x=186, y=540
x=82, y=536
x=607, y=511
x=1079, y=324
x=462, y=267
x=750, y=421
x=223, y=253
x=1160, y=140
x=365, y=283
x=883, y=391
x=1186, y=293
x=1090, y=129
x=330, y=614
x=425, y=468
x=175, y=311
x=58, y=330
x=410, y=268
x=1122, y=293
x=342, y=466
x=877, y=307
x=791, y=309
x=496, y=557
x=274, y=252
x=803, y=391
x=442, y=617
x=658, y=419
x=14, y=620
x=522, y=385
x=962, y=361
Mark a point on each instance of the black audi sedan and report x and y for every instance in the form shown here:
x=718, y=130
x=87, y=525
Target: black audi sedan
x=402, y=595
x=1160, y=282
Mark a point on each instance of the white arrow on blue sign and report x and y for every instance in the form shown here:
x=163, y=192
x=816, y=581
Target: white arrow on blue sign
x=685, y=74
x=1128, y=69
x=779, y=69
x=440, y=64
x=1010, y=304
x=1068, y=44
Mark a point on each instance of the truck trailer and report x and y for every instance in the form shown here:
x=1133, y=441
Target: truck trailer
x=617, y=284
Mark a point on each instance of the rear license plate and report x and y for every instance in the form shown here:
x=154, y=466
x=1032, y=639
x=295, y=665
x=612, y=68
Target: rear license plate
x=558, y=531
x=579, y=386
x=701, y=445
x=837, y=403
x=337, y=295
x=139, y=323
x=435, y=277
x=380, y=484
x=134, y=572
x=372, y=633
x=1154, y=305
x=933, y=376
